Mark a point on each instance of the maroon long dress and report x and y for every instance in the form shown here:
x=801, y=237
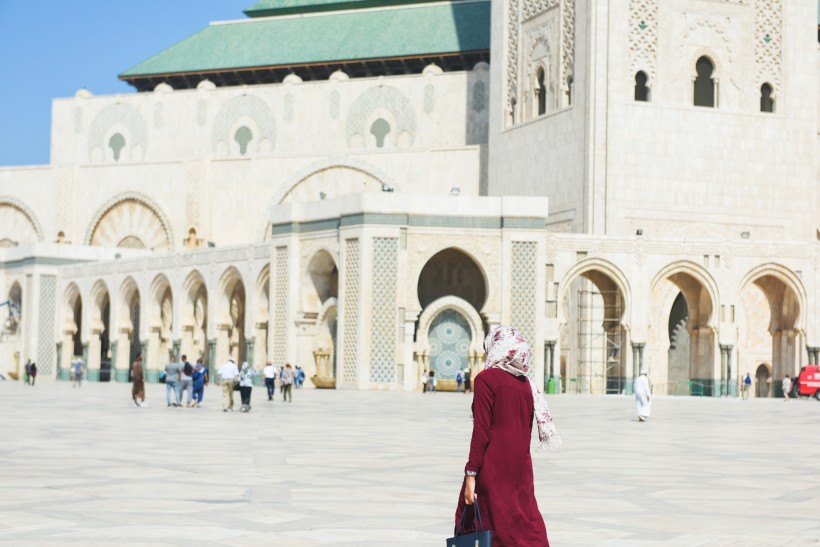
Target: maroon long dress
x=500, y=454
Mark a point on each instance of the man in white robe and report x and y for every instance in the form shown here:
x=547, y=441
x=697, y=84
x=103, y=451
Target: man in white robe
x=642, y=396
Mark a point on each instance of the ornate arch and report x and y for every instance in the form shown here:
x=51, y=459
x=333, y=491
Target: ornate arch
x=262, y=301
x=699, y=274
x=460, y=306
x=112, y=115
x=385, y=98
x=424, y=260
x=785, y=276
x=610, y=270
x=21, y=209
x=244, y=106
x=123, y=229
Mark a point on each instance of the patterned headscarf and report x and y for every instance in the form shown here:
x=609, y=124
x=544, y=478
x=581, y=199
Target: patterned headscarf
x=506, y=349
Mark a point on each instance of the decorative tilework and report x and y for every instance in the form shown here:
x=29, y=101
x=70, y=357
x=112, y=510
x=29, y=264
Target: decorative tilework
x=45, y=324
x=567, y=42
x=523, y=292
x=350, y=307
x=643, y=37
x=768, y=42
x=123, y=116
x=513, y=21
x=244, y=106
x=479, y=97
x=449, y=340
x=382, y=98
x=384, y=312
x=280, y=306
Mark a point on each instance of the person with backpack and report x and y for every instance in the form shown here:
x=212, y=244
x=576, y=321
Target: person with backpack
x=459, y=380
x=747, y=386
x=32, y=374
x=200, y=378
x=186, y=380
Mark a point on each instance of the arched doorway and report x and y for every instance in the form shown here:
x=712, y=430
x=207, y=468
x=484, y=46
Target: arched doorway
x=194, y=342
x=452, y=291
x=450, y=340
x=683, y=334
x=231, y=336
x=592, y=333
x=99, y=332
x=775, y=293
x=129, y=344
x=71, y=329
x=261, y=351
x=161, y=323
x=10, y=339
x=319, y=303
x=763, y=383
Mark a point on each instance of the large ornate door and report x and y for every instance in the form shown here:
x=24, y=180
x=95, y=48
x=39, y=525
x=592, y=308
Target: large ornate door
x=449, y=339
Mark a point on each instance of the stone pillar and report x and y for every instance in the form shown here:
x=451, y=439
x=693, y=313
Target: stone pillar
x=176, y=346
x=60, y=374
x=814, y=354
x=724, y=350
x=211, y=356
x=92, y=354
x=92, y=375
x=249, y=347
x=113, y=345
x=731, y=378
x=637, y=364
x=121, y=360
x=260, y=350
x=223, y=344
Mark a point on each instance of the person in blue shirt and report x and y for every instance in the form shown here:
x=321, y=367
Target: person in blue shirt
x=200, y=381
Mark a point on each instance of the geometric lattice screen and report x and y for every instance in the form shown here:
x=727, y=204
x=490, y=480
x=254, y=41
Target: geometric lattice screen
x=350, y=311
x=384, y=314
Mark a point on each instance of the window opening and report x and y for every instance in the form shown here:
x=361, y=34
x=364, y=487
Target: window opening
x=243, y=137
x=380, y=130
x=542, y=92
x=641, y=89
x=704, y=83
x=116, y=143
x=766, y=100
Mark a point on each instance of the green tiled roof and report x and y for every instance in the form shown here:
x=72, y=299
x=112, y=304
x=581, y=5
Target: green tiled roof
x=263, y=8
x=401, y=31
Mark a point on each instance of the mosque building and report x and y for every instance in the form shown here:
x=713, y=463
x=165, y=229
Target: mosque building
x=366, y=187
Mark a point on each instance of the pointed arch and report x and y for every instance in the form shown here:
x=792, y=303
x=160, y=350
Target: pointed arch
x=122, y=232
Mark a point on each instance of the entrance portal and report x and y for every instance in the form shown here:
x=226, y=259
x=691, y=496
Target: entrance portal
x=450, y=340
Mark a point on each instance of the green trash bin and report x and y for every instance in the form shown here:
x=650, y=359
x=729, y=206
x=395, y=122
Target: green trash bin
x=551, y=385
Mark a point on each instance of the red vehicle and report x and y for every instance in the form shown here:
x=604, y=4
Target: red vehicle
x=808, y=383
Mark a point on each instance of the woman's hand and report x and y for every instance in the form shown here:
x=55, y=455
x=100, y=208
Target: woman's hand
x=469, y=489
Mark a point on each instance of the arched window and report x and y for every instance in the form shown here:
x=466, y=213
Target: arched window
x=116, y=143
x=380, y=130
x=641, y=89
x=704, y=83
x=541, y=92
x=570, y=83
x=243, y=137
x=766, y=100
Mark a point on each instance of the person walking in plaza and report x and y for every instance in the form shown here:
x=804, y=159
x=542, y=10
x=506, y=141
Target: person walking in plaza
x=200, y=380
x=78, y=367
x=227, y=377
x=787, y=388
x=287, y=383
x=747, y=386
x=468, y=384
x=138, y=382
x=643, y=397
x=459, y=381
x=246, y=385
x=27, y=373
x=186, y=380
x=431, y=384
x=300, y=377
x=424, y=382
x=172, y=373
x=498, y=473
x=32, y=374
x=269, y=373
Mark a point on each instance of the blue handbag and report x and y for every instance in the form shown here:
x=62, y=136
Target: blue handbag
x=478, y=538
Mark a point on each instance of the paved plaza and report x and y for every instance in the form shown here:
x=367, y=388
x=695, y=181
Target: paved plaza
x=85, y=467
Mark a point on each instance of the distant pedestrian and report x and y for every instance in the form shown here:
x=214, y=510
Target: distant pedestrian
x=270, y=379
x=787, y=388
x=424, y=382
x=78, y=367
x=747, y=386
x=32, y=373
x=431, y=384
x=642, y=396
x=227, y=377
x=172, y=373
x=246, y=386
x=300, y=376
x=459, y=381
x=200, y=380
x=27, y=373
x=468, y=381
x=138, y=382
x=287, y=383
x=281, y=380
x=186, y=380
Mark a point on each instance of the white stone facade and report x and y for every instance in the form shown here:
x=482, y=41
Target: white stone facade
x=368, y=229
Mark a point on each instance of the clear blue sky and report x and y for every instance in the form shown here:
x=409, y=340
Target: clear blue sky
x=52, y=48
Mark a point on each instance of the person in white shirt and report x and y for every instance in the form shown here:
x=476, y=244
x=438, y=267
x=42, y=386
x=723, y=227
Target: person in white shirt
x=227, y=376
x=270, y=379
x=787, y=387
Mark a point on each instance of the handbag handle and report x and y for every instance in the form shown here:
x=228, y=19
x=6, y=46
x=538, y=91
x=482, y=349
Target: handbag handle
x=460, y=527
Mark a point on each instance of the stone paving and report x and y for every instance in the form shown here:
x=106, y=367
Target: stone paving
x=86, y=467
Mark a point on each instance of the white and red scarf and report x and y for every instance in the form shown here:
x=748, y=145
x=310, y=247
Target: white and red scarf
x=506, y=349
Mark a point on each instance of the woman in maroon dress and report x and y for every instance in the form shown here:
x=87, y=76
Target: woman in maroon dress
x=499, y=471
